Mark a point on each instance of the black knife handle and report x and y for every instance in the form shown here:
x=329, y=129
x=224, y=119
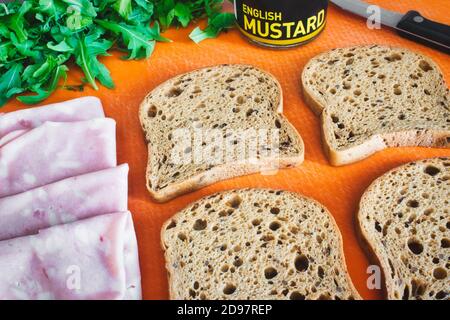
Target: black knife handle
x=416, y=27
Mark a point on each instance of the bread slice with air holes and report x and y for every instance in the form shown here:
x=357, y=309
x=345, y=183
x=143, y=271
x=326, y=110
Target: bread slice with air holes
x=404, y=217
x=374, y=97
x=255, y=244
x=227, y=101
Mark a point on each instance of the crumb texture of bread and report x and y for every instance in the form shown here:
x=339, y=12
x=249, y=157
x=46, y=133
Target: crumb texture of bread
x=404, y=217
x=228, y=99
x=255, y=244
x=374, y=97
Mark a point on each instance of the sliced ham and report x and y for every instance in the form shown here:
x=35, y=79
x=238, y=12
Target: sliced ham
x=64, y=201
x=95, y=258
x=81, y=109
x=55, y=151
x=11, y=136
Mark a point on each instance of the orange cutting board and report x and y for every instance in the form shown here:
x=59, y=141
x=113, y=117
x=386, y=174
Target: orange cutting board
x=339, y=189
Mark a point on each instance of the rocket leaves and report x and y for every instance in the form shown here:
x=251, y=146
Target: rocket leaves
x=10, y=82
x=86, y=50
x=40, y=39
x=216, y=24
x=138, y=39
x=42, y=93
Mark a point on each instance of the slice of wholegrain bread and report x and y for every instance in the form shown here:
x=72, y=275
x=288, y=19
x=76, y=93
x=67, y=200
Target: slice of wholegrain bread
x=374, y=97
x=404, y=218
x=255, y=244
x=227, y=102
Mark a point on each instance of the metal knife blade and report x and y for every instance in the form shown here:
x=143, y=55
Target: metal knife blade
x=411, y=25
x=361, y=8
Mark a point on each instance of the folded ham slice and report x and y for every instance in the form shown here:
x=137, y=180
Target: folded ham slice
x=81, y=109
x=95, y=258
x=55, y=151
x=11, y=136
x=64, y=201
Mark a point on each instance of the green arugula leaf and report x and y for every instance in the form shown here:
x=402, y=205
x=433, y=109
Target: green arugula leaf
x=60, y=72
x=141, y=13
x=183, y=13
x=102, y=73
x=45, y=69
x=84, y=7
x=53, y=8
x=10, y=82
x=27, y=47
x=4, y=32
x=97, y=47
x=155, y=32
x=16, y=21
x=76, y=21
x=216, y=25
x=166, y=12
x=80, y=14
x=87, y=48
x=63, y=46
x=4, y=10
x=38, y=74
x=145, y=5
x=139, y=39
x=123, y=7
x=5, y=48
x=84, y=61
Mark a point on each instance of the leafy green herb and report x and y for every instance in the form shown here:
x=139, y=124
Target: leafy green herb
x=139, y=39
x=10, y=82
x=123, y=7
x=216, y=24
x=40, y=38
x=57, y=73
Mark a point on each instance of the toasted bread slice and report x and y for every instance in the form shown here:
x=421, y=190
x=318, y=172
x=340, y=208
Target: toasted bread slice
x=255, y=244
x=227, y=102
x=404, y=218
x=374, y=97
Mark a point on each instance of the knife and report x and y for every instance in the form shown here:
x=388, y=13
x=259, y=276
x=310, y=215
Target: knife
x=411, y=25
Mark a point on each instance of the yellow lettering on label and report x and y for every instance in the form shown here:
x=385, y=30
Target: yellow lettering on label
x=250, y=25
x=300, y=30
x=276, y=33
x=320, y=18
x=311, y=25
x=278, y=16
x=288, y=26
x=270, y=24
x=261, y=14
x=266, y=29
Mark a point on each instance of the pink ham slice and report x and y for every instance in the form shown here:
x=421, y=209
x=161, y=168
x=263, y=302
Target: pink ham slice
x=95, y=258
x=11, y=136
x=64, y=201
x=81, y=109
x=55, y=151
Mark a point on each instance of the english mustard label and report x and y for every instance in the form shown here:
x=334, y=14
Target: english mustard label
x=281, y=23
